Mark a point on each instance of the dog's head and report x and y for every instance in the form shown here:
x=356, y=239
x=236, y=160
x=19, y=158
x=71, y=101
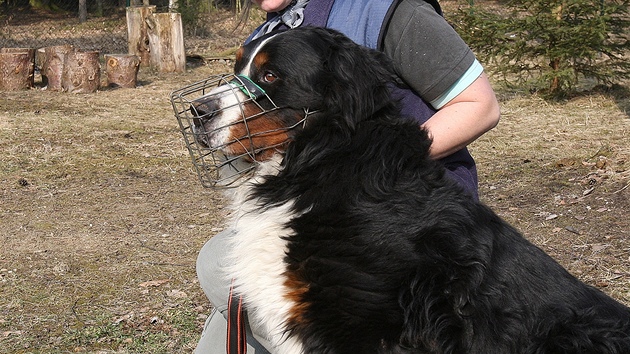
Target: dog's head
x=283, y=83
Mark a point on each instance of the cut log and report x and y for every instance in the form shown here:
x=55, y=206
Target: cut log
x=16, y=68
x=81, y=72
x=122, y=70
x=166, y=42
x=40, y=56
x=52, y=65
x=137, y=39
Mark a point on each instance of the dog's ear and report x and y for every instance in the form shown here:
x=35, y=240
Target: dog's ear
x=358, y=80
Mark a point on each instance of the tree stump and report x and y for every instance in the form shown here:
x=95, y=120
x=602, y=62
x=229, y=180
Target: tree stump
x=40, y=55
x=52, y=65
x=122, y=70
x=137, y=39
x=16, y=68
x=166, y=42
x=81, y=72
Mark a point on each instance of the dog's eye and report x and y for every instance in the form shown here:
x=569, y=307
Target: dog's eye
x=269, y=77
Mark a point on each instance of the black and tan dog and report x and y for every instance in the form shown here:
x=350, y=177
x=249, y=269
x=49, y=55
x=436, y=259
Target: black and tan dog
x=348, y=238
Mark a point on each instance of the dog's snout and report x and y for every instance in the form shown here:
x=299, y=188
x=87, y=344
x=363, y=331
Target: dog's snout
x=203, y=110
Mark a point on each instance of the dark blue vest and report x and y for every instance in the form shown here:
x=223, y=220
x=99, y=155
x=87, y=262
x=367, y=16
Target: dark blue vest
x=356, y=20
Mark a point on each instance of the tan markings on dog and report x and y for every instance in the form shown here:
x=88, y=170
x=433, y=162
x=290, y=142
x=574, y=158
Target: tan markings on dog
x=267, y=134
x=297, y=289
x=260, y=59
x=239, y=54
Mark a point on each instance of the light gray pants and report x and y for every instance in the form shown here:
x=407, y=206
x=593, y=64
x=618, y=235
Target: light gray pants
x=215, y=283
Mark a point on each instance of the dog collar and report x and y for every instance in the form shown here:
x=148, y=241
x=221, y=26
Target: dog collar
x=248, y=87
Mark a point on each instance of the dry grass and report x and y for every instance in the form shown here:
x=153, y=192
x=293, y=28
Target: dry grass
x=101, y=215
x=98, y=198
x=560, y=172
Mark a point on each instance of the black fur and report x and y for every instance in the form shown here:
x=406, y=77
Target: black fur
x=396, y=257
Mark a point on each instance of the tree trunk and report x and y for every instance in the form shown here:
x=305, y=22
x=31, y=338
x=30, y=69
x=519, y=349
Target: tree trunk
x=555, y=62
x=122, y=70
x=16, y=68
x=82, y=11
x=81, y=72
x=52, y=65
x=137, y=39
x=166, y=42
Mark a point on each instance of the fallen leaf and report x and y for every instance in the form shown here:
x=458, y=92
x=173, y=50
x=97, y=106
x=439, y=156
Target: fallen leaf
x=178, y=294
x=10, y=333
x=601, y=162
x=153, y=283
x=123, y=318
x=599, y=247
x=572, y=229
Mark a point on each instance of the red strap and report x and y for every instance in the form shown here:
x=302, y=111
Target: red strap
x=236, y=341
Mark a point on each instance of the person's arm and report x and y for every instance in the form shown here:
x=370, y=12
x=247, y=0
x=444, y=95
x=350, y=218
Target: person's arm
x=464, y=118
x=434, y=61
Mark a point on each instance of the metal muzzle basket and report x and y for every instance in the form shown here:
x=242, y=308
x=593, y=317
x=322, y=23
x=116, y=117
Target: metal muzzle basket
x=214, y=168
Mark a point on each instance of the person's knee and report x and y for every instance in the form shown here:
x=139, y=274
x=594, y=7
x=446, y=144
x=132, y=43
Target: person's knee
x=211, y=270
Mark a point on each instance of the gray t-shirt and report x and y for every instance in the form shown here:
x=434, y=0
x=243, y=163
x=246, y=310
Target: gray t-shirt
x=427, y=52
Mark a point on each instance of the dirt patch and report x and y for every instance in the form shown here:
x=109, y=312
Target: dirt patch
x=101, y=214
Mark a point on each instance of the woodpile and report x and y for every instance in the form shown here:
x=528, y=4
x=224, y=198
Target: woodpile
x=154, y=39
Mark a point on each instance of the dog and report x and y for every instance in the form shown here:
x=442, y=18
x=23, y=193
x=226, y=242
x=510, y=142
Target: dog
x=349, y=238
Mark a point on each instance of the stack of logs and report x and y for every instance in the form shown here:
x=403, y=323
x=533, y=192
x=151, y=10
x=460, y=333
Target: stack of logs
x=155, y=40
x=64, y=68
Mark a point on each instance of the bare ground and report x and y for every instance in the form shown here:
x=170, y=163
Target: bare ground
x=101, y=215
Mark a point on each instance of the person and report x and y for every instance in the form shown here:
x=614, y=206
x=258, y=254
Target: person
x=446, y=90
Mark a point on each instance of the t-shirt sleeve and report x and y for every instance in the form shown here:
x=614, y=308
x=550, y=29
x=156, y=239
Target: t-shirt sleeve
x=428, y=54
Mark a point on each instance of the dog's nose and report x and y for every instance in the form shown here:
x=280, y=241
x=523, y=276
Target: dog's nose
x=203, y=110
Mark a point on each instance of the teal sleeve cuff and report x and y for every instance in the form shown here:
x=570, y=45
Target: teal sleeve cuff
x=460, y=85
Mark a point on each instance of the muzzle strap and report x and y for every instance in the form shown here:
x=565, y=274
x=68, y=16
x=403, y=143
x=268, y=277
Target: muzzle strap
x=248, y=87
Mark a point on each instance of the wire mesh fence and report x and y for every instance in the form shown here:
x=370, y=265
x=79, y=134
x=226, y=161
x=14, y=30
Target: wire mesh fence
x=44, y=23
x=23, y=25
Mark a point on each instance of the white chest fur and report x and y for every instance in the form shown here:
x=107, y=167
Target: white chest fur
x=256, y=253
